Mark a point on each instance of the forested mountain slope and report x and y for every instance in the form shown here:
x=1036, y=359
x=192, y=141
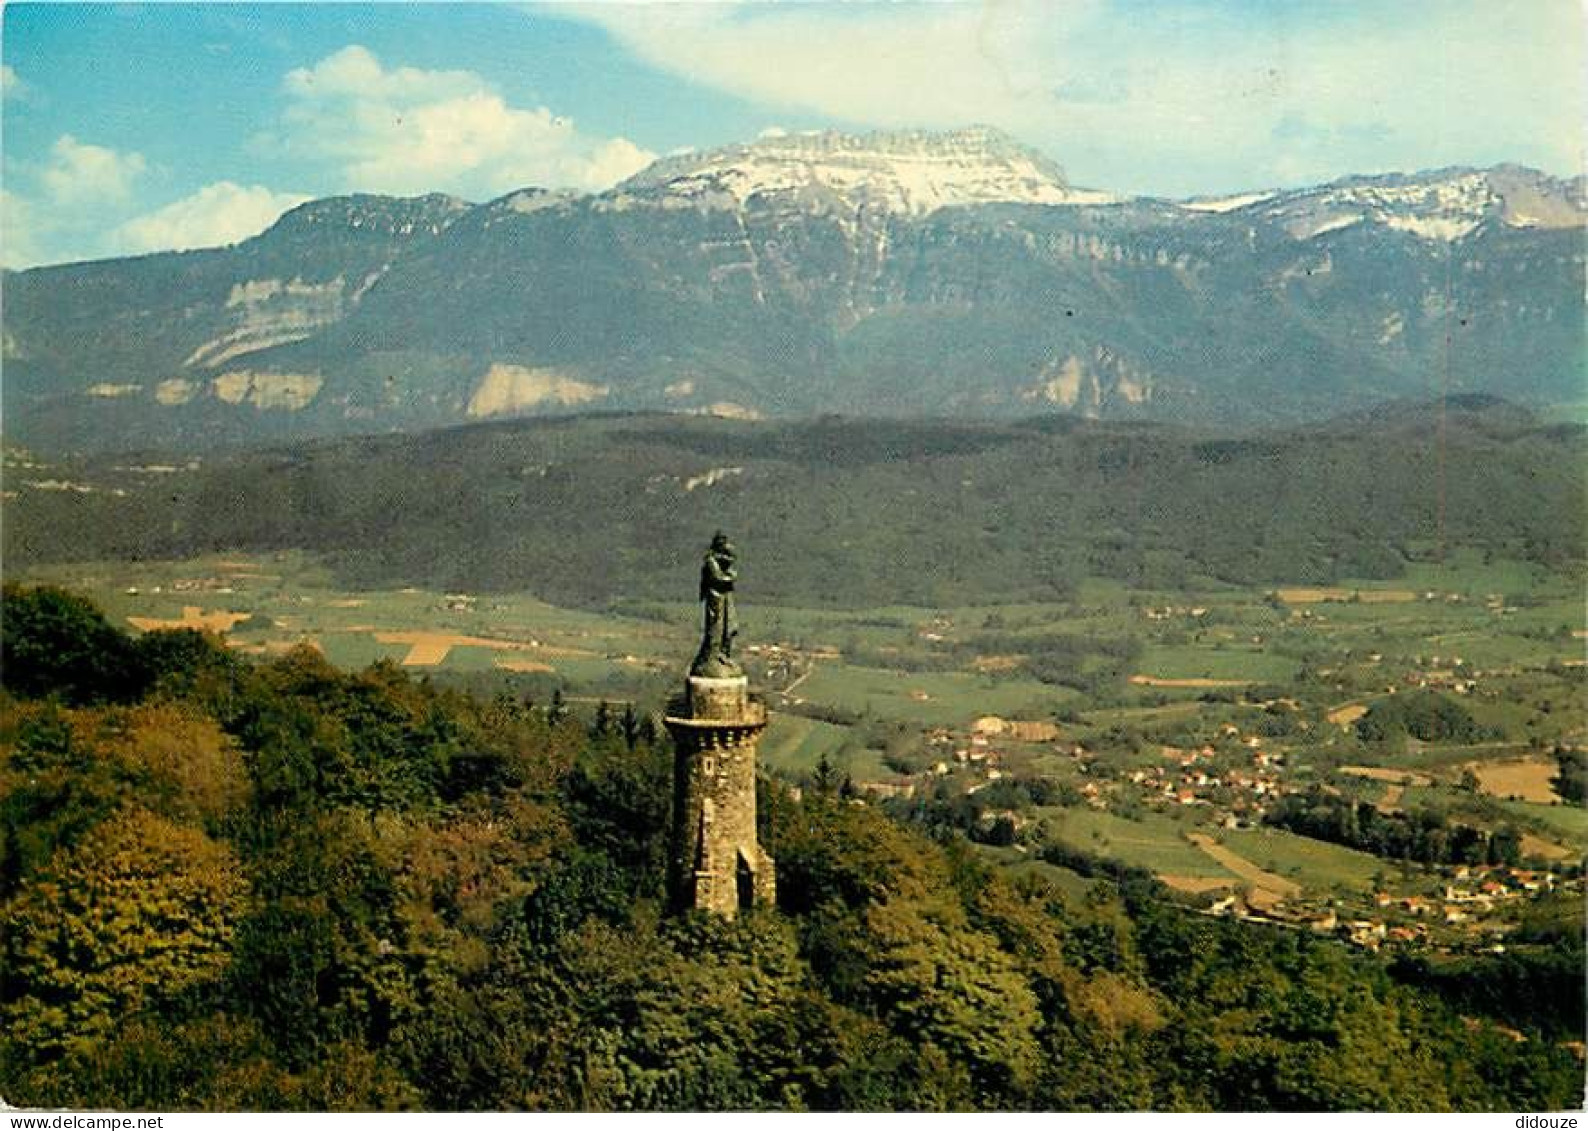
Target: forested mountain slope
x=243, y=886
x=857, y=512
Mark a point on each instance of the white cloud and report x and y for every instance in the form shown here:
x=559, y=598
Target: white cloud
x=61, y=211
x=11, y=84
x=81, y=196
x=217, y=214
x=891, y=65
x=354, y=72
x=80, y=174
x=611, y=162
x=406, y=130
x=1176, y=96
x=19, y=232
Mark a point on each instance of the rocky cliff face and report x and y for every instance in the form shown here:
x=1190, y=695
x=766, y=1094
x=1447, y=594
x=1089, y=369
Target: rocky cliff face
x=893, y=273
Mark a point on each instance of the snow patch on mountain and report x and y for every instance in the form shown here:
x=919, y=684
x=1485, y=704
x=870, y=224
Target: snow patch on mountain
x=1088, y=385
x=1447, y=228
x=535, y=200
x=427, y=215
x=1224, y=203
x=110, y=390
x=175, y=391
x=711, y=478
x=1310, y=226
x=1442, y=206
x=728, y=410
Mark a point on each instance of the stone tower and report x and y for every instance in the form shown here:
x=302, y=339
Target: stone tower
x=717, y=863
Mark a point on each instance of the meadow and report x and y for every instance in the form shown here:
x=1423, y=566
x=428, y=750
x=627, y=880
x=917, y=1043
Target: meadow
x=1155, y=842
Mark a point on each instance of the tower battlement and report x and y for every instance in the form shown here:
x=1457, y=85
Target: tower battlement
x=713, y=699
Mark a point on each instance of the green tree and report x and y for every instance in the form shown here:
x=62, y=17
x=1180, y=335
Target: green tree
x=192, y=768
x=938, y=981
x=55, y=785
x=1571, y=774
x=56, y=643
x=326, y=955
x=127, y=920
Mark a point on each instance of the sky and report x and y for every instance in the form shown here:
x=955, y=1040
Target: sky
x=131, y=128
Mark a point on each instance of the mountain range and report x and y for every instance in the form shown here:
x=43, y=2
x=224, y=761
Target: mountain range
x=889, y=274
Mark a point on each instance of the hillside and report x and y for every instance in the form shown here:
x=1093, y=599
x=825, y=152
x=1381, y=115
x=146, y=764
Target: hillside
x=278, y=886
x=901, y=273
x=838, y=511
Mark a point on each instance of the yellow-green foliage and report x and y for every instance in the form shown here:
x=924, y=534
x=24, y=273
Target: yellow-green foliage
x=1114, y=1005
x=141, y=911
x=952, y=986
x=196, y=766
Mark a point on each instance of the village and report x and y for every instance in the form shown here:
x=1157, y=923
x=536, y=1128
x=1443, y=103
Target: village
x=1232, y=784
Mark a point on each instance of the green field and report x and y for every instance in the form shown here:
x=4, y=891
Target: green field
x=1156, y=842
x=1314, y=864
x=929, y=698
x=1568, y=821
x=1186, y=708
x=917, y=667
x=792, y=746
x=1247, y=662
x=1567, y=824
x=1465, y=571
x=1017, y=863
x=348, y=650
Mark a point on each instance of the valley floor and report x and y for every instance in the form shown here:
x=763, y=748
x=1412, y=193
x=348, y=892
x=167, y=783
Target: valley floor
x=1160, y=731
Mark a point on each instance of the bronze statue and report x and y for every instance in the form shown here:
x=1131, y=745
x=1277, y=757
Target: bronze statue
x=717, y=575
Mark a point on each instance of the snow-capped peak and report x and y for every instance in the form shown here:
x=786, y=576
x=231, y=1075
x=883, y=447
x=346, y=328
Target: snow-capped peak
x=1444, y=205
x=911, y=172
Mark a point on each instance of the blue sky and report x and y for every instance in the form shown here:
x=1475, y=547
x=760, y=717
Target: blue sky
x=132, y=128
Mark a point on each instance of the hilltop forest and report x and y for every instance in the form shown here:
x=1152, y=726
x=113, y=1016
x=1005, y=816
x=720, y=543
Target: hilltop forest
x=236, y=884
x=831, y=511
